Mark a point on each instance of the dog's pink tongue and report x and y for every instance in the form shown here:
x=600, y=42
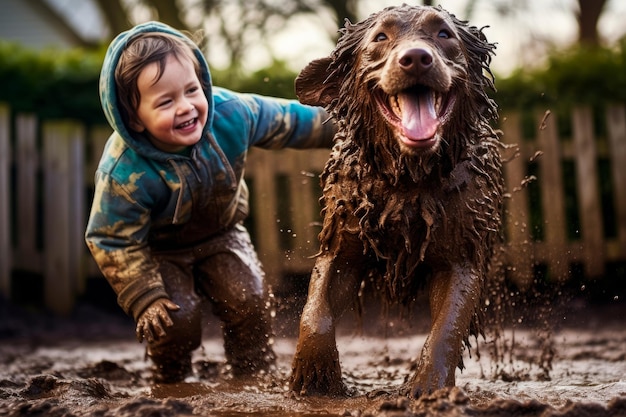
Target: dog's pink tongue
x=419, y=118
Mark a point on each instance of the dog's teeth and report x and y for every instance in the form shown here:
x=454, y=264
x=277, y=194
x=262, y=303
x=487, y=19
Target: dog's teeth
x=438, y=102
x=395, y=105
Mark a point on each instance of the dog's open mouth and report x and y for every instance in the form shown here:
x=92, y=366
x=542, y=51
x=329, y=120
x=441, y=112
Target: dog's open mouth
x=416, y=113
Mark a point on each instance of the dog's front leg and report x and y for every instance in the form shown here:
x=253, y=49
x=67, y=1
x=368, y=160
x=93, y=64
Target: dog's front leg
x=454, y=298
x=316, y=368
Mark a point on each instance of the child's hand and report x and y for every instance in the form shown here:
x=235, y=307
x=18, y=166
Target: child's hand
x=153, y=321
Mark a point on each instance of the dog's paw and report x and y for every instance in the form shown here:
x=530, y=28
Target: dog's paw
x=422, y=384
x=453, y=395
x=412, y=391
x=313, y=378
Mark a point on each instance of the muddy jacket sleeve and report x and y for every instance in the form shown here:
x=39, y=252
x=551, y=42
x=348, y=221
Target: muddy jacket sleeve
x=117, y=238
x=290, y=124
x=271, y=123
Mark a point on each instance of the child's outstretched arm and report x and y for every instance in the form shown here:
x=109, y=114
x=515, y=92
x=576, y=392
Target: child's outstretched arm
x=290, y=124
x=268, y=122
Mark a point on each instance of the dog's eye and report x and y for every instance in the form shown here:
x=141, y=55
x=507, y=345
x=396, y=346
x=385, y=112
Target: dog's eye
x=380, y=37
x=444, y=34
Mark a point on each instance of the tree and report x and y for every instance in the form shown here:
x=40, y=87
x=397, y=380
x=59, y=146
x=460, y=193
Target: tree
x=239, y=27
x=588, y=15
x=115, y=15
x=169, y=13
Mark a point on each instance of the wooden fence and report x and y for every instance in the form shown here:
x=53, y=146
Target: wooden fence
x=46, y=179
x=581, y=211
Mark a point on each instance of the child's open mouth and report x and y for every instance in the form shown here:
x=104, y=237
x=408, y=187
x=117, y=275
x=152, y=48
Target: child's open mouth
x=188, y=124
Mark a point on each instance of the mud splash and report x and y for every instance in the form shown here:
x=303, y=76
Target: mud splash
x=93, y=366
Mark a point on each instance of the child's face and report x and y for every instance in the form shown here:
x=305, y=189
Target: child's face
x=172, y=111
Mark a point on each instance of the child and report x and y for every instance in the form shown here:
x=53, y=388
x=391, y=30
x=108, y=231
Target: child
x=166, y=222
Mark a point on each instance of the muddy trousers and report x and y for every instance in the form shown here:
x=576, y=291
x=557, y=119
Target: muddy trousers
x=226, y=271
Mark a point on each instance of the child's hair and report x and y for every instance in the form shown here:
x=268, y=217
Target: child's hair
x=142, y=50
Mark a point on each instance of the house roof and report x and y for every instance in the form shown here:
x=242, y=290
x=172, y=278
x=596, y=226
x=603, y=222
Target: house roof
x=45, y=23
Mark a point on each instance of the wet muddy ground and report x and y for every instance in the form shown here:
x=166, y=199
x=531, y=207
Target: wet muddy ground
x=89, y=364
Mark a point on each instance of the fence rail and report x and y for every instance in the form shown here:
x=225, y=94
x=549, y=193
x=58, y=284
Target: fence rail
x=46, y=180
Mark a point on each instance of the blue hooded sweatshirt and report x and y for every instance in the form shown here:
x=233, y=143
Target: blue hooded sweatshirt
x=148, y=200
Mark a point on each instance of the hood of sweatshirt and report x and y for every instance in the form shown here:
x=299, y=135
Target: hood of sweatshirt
x=108, y=92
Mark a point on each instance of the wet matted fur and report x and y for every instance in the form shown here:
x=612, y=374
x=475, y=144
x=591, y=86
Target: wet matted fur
x=412, y=192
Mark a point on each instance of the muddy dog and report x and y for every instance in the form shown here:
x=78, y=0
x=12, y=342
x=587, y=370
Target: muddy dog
x=412, y=192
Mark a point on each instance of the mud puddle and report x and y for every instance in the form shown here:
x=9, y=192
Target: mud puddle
x=95, y=368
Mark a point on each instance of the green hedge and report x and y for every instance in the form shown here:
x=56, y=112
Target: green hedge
x=51, y=83
x=276, y=80
x=574, y=76
x=62, y=84
x=577, y=76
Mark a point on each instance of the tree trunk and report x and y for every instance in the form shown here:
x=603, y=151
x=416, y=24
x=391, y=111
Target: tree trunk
x=115, y=15
x=169, y=13
x=588, y=16
x=344, y=9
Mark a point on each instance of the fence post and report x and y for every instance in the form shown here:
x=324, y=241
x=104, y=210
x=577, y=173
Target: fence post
x=520, y=255
x=76, y=138
x=5, y=203
x=27, y=164
x=63, y=151
x=303, y=202
x=97, y=140
x=588, y=194
x=261, y=168
x=616, y=126
x=553, y=198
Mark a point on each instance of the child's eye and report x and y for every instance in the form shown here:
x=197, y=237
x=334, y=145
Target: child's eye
x=164, y=103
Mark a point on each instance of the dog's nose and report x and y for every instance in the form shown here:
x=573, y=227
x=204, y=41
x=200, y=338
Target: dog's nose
x=416, y=60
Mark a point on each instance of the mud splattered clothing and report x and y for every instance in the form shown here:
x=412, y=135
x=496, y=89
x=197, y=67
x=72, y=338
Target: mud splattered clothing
x=149, y=204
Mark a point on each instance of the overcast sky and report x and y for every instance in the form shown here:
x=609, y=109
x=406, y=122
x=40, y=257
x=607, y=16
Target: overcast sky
x=544, y=19
x=303, y=39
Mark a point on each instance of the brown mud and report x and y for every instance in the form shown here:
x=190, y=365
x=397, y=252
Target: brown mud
x=89, y=364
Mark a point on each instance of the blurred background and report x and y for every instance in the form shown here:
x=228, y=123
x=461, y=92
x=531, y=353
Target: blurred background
x=561, y=86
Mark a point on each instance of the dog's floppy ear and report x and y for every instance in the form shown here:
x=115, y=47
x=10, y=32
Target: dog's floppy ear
x=313, y=85
x=479, y=53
